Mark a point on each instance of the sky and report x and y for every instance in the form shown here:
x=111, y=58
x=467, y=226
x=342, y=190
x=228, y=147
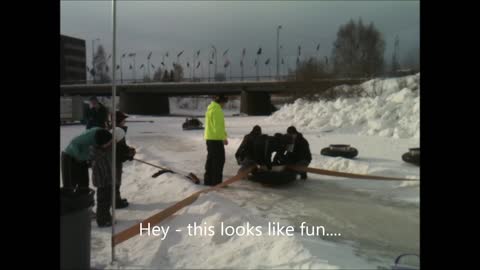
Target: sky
x=189, y=26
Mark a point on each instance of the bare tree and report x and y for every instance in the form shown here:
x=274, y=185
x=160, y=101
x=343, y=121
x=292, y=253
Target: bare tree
x=358, y=50
x=101, y=67
x=157, y=75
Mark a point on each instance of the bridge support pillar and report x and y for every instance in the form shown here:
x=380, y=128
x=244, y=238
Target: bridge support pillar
x=144, y=103
x=256, y=103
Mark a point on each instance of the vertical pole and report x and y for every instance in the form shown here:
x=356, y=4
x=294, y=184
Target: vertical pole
x=114, y=144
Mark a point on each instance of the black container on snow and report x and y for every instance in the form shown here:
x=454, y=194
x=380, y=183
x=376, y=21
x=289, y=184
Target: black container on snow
x=340, y=150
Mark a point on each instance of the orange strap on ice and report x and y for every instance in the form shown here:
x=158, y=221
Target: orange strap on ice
x=348, y=175
x=165, y=213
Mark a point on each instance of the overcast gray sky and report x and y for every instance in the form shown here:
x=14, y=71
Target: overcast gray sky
x=173, y=26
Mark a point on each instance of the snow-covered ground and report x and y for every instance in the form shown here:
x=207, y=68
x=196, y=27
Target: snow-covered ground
x=377, y=220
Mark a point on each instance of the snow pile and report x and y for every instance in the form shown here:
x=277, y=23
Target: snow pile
x=384, y=107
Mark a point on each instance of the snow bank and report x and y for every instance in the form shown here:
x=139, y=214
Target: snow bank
x=383, y=107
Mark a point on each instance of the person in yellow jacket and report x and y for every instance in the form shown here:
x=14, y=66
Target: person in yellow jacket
x=216, y=138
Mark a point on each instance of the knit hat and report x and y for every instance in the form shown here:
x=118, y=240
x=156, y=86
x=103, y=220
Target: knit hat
x=120, y=116
x=119, y=134
x=102, y=136
x=292, y=130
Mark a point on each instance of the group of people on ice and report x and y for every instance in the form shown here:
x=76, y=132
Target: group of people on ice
x=92, y=149
x=256, y=148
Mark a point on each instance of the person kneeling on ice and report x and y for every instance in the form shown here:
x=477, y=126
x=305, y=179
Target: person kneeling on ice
x=101, y=158
x=244, y=154
x=264, y=146
x=300, y=154
x=124, y=153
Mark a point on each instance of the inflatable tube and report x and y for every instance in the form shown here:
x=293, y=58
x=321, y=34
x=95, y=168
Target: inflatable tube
x=339, y=150
x=273, y=177
x=413, y=156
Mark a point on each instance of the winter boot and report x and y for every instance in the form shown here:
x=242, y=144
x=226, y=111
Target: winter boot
x=303, y=175
x=120, y=203
x=104, y=218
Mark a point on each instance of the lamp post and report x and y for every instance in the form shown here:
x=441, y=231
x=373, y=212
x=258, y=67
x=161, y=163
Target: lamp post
x=114, y=148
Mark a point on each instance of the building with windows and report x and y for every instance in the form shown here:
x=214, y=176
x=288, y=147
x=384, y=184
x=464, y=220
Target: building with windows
x=72, y=60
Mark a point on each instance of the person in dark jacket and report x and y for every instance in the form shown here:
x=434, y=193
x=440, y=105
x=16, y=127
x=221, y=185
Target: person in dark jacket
x=264, y=146
x=124, y=153
x=75, y=157
x=300, y=154
x=244, y=154
x=97, y=114
x=101, y=159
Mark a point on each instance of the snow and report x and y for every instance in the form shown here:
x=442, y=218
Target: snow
x=378, y=220
x=383, y=107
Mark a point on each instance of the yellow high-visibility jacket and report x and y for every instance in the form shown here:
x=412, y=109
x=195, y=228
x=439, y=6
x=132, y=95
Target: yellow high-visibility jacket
x=214, y=123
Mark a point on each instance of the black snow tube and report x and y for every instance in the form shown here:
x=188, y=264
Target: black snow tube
x=339, y=150
x=413, y=156
x=272, y=178
x=191, y=124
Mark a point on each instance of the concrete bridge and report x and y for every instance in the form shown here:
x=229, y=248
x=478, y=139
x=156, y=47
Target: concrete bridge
x=152, y=98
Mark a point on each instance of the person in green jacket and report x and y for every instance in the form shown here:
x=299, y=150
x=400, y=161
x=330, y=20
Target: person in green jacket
x=75, y=158
x=216, y=139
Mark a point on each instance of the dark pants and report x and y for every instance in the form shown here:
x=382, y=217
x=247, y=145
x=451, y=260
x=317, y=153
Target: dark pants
x=215, y=162
x=104, y=203
x=74, y=173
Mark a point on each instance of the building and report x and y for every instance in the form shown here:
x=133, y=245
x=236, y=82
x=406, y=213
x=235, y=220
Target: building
x=72, y=60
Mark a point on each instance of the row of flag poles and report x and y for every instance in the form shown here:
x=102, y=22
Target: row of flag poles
x=196, y=64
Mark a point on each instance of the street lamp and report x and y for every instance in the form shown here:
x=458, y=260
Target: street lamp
x=278, y=51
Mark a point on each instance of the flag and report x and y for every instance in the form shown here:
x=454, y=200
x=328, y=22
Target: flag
x=259, y=51
x=141, y=66
x=188, y=64
x=118, y=67
x=210, y=62
x=198, y=64
x=225, y=52
x=166, y=54
x=267, y=62
x=299, y=50
x=198, y=53
x=163, y=64
x=106, y=68
x=243, y=52
x=213, y=54
x=149, y=55
x=226, y=63
x=123, y=55
x=131, y=54
x=318, y=47
x=153, y=66
x=130, y=66
x=180, y=53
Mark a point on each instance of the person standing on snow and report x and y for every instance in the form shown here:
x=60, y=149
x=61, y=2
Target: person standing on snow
x=97, y=114
x=216, y=139
x=101, y=159
x=124, y=153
